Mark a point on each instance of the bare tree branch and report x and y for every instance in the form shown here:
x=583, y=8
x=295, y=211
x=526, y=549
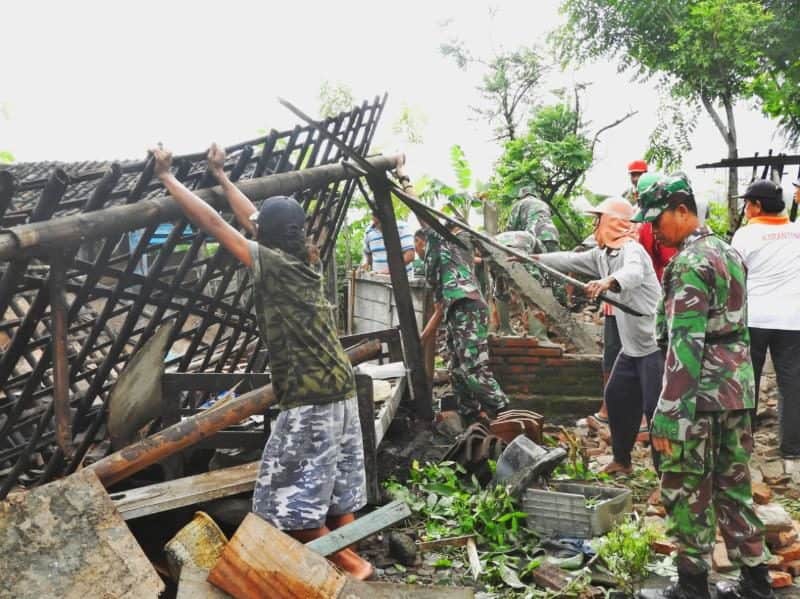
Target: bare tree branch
x=619, y=121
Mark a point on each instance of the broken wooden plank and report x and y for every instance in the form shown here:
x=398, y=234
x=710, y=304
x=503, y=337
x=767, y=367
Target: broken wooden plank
x=261, y=561
x=388, y=411
x=156, y=447
x=357, y=589
x=376, y=521
x=173, y=494
x=67, y=540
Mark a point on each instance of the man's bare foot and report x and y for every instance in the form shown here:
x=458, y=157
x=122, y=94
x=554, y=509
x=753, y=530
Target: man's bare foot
x=655, y=497
x=615, y=468
x=352, y=563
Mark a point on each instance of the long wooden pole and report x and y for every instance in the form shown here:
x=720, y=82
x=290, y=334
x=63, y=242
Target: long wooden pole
x=54, y=234
x=137, y=456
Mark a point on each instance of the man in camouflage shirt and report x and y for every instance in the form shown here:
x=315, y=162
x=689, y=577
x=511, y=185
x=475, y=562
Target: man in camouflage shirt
x=311, y=478
x=533, y=215
x=450, y=272
x=701, y=425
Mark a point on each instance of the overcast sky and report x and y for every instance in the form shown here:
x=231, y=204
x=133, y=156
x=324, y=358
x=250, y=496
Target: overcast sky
x=105, y=80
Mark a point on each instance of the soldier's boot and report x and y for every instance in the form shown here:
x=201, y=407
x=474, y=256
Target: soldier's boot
x=504, y=324
x=689, y=586
x=753, y=583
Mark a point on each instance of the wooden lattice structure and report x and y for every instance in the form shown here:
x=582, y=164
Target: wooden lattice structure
x=74, y=314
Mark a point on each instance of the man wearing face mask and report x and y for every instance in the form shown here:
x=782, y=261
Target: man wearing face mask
x=623, y=270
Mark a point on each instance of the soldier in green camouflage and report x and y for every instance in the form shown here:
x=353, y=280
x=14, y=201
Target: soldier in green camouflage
x=450, y=272
x=701, y=425
x=533, y=215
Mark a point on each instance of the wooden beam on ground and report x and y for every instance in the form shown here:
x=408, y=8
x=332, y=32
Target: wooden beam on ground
x=412, y=347
x=174, y=494
x=193, y=585
x=156, y=447
x=67, y=540
x=363, y=527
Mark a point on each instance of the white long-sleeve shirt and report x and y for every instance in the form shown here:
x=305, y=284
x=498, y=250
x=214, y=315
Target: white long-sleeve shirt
x=633, y=270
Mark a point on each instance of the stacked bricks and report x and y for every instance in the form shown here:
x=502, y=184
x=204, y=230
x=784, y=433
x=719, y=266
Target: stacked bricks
x=524, y=369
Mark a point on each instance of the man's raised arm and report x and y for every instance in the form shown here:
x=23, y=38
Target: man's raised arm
x=199, y=212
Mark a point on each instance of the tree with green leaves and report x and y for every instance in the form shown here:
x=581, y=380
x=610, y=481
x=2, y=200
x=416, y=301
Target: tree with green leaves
x=457, y=200
x=507, y=87
x=778, y=86
x=552, y=157
x=706, y=51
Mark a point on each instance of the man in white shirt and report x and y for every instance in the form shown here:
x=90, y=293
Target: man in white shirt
x=770, y=247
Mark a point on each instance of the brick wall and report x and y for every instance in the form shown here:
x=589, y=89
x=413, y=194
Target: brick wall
x=523, y=368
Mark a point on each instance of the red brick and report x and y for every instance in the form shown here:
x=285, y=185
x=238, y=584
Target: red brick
x=782, y=538
x=790, y=553
x=663, y=547
x=780, y=579
x=762, y=494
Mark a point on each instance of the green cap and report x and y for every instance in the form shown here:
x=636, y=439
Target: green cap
x=655, y=191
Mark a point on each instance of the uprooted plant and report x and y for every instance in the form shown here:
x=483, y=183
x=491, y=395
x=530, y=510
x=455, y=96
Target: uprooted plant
x=626, y=552
x=449, y=502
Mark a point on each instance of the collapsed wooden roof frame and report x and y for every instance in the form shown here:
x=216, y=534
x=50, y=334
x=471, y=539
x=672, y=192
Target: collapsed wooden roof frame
x=80, y=295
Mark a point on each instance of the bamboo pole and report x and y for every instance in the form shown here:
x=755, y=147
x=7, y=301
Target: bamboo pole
x=156, y=447
x=32, y=238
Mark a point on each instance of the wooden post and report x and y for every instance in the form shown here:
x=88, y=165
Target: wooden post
x=420, y=389
x=58, y=316
x=366, y=413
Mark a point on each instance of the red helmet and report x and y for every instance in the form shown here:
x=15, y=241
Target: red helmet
x=637, y=166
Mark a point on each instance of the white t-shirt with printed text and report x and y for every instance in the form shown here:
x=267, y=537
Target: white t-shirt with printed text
x=770, y=248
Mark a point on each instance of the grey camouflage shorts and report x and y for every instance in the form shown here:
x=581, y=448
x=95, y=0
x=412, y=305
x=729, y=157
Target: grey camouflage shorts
x=312, y=466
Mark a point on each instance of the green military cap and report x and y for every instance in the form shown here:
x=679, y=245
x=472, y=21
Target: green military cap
x=524, y=192
x=655, y=190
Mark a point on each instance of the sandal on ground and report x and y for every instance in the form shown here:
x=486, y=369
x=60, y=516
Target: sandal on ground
x=596, y=421
x=615, y=468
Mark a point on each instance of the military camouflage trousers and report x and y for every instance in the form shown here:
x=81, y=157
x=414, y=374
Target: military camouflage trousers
x=474, y=385
x=705, y=481
x=312, y=467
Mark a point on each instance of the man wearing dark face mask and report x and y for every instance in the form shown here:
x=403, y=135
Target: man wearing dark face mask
x=312, y=472
x=626, y=274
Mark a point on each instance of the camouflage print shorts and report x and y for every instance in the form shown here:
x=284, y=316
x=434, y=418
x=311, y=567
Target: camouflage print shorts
x=312, y=467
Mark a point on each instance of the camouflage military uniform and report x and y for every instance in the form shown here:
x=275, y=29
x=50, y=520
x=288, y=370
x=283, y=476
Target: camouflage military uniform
x=533, y=215
x=704, y=405
x=313, y=463
x=449, y=271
